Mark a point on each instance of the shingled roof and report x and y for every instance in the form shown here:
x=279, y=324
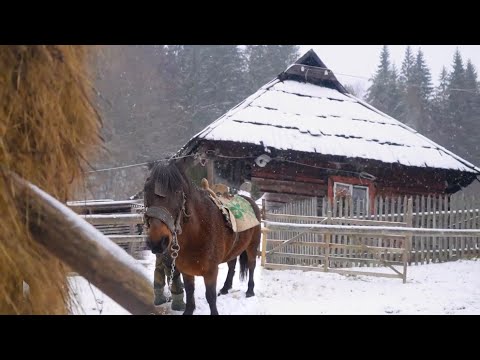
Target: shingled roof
x=306, y=109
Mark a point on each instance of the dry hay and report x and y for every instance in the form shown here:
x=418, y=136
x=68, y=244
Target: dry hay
x=48, y=127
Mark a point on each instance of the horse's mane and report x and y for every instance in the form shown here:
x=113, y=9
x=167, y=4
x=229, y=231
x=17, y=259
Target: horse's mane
x=169, y=176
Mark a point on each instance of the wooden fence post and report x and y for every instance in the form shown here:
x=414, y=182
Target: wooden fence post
x=328, y=236
x=264, y=235
x=408, y=240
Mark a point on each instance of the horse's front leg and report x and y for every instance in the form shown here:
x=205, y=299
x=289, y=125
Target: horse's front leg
x=211, y=290
x=189, y=282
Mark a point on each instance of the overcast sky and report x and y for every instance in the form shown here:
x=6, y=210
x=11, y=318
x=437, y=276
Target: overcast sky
x=362, y=60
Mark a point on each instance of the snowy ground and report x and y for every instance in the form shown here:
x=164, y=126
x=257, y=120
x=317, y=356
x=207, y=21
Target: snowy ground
x=447, y=288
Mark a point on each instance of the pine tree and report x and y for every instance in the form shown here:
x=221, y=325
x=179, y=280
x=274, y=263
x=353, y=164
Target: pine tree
x=129, y=87
x=456, y=104
x=408, y=65
x=471, y=120
x=415, y=92
x=443, y=84
x=380, y=94
x=471, y=83
x=265, y=62
x=408, y=107
x=423, y=89
x=422, y=77
x=205, y=82
x=440, y=110
x=356, y=89
x=395, y=98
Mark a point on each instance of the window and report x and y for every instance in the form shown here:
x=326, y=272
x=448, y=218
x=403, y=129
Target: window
x=358, y=194
x=360, y=191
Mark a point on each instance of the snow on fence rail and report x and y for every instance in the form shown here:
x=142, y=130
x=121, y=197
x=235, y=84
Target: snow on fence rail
x=114, y=219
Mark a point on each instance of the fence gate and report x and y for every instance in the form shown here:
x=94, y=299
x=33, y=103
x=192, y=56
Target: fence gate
x=291, y=242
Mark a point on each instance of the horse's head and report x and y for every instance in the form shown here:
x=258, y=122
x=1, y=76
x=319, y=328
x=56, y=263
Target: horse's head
x=164, y=195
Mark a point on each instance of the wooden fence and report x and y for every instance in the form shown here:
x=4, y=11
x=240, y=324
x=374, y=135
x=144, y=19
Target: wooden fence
x=441, y=213
x=120, y=221
x=327, y=243
x=430, y=212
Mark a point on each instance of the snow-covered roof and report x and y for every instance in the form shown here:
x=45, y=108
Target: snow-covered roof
x=294, y=115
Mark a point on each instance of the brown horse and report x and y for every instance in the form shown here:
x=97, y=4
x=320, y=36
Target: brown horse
x=178, y=208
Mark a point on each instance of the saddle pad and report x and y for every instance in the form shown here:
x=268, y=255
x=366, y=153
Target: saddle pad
x=242, y=216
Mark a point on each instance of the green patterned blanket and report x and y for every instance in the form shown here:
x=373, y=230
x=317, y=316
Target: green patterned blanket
x=242, y=216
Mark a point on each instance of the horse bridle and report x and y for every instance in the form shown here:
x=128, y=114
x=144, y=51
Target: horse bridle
x=162, y=214
x=165, y=216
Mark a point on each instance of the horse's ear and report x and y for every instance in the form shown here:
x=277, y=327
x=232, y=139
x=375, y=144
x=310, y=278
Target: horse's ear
x=159, y=190
x=181, y=165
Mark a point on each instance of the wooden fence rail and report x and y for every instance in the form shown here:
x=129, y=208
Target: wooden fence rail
x=335, y=242
x=325, y=236
x=369, y=230
x=428, y=212
x=85, y=250
x=120, y=228
x=113, y=219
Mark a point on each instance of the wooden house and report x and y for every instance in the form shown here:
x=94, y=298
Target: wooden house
x=304, y=135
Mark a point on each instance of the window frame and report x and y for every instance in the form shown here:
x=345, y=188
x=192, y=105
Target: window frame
x=351, y=182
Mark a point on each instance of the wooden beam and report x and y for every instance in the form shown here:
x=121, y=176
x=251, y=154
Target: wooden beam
x=336, y=221
x=85, y=249
x=328, y=239
x=127, y=238
x=408, y=239
x=274, y=199
x=368, y=248
x=290, y=187
x=286, y=242
x=282, y=173
x=330, y=270
x=210, y=171
x=341, y=258
x=369, y=230
x=264, y=235
x=113, y=219
x=311, y=73
x=272, y=216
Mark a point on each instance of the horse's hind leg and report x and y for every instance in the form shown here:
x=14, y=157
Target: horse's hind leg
x=228, y=282
x=252, y=262
x=211, y=290
x=189, y=282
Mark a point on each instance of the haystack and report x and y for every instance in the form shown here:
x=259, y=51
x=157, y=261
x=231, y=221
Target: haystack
x=48, y=129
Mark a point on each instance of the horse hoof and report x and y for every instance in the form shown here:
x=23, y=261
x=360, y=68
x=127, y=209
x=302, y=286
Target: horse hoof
x=160, y=298
x=250, y=294
x=223, y=292
x=186, y=312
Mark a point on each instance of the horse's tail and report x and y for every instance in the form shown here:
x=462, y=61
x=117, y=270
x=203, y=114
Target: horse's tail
x=243, y=265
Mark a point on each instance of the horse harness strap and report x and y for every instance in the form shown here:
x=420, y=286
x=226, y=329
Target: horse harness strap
x=163, y=215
